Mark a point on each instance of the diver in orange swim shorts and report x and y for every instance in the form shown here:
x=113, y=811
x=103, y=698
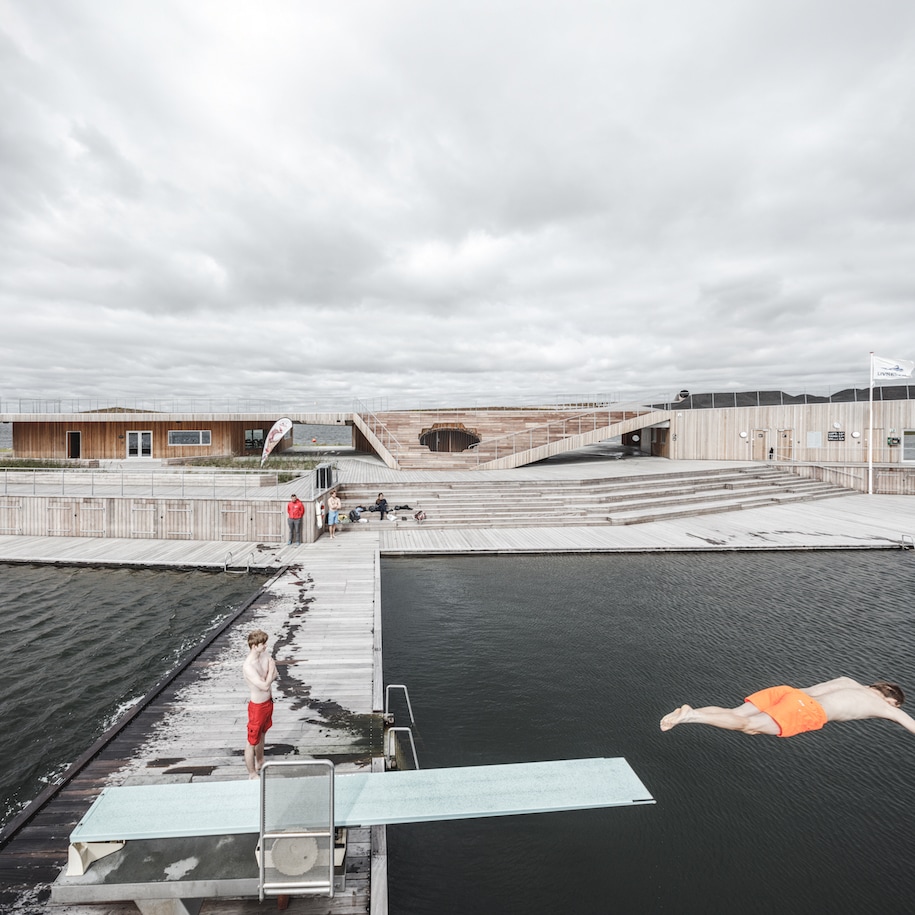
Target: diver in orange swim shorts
x=784, y=711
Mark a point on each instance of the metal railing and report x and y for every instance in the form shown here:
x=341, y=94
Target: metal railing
x=387, y=701
x=377, y=427
x=725, y=399
x=578, y=424
x=392, y=751
x=895, y=482
x=123, y=406
x=242, y=483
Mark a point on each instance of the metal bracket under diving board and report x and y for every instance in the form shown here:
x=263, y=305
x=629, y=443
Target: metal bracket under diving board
x=141, y=812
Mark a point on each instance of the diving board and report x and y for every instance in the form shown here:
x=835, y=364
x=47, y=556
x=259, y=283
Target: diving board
x=200, y=814
x=424, y=795
x=121, y=814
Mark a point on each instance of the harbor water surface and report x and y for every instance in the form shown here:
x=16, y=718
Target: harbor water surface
x=82, y=646
x=533, y=658
x=512, y=659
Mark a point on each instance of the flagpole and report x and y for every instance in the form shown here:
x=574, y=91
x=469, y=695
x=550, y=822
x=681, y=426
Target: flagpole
x=870, y=436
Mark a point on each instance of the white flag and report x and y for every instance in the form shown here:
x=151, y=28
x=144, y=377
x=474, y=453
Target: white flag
x=892, y=368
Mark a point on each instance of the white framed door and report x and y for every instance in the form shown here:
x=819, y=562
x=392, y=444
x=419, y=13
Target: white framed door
x=139, y=444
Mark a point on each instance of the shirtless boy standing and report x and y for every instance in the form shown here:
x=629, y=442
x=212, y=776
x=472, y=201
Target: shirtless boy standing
x=784, y=711
x=260, y=671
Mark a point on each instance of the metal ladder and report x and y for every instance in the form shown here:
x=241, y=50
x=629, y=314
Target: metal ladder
x=391, y=744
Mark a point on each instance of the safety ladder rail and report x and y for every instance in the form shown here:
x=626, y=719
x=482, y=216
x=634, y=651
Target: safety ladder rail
x=387, y=701
x=239, y=571
x=390, y=747
x=907, y=542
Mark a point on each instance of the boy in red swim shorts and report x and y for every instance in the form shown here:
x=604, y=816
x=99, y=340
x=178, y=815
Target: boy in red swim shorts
x=784, y=711
x=259, y=671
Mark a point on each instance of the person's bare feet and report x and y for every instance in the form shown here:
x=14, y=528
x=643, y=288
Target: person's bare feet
x=678, y=716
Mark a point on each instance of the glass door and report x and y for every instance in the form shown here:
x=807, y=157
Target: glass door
x=139, y=444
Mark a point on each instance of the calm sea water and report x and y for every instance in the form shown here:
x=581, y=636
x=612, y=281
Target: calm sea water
x=531, y=658
x=524, y=658
x=83, y=645
x=303, y=433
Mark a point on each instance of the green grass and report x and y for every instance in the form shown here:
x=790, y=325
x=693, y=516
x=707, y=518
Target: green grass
x=254, y=463
x=10, y=463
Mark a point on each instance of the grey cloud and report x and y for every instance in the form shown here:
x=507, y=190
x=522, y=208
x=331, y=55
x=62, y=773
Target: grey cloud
x=514, y=197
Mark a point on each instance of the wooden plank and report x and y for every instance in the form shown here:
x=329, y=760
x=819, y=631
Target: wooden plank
x=325, y=705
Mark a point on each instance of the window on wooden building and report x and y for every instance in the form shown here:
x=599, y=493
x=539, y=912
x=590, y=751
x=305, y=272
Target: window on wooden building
x=254, y=438
x=189, y=437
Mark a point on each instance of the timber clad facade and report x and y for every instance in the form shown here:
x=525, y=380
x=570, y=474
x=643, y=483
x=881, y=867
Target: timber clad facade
x=246, y=520
x=829, y=433
x=129, y=436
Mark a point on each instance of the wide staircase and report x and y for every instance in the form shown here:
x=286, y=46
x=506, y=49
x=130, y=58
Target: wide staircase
x=639, y=499
x=509, y=437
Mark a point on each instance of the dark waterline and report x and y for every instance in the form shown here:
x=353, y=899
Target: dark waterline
x=525, y=658
x=82, y=646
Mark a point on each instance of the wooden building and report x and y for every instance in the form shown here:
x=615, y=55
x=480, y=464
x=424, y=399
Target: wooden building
x=123, y=436
x=747, y=426
x=828, y=433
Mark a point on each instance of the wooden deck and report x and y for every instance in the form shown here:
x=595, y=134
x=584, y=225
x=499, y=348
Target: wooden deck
x=323, y=617
x=170, y=554
x=842, y=523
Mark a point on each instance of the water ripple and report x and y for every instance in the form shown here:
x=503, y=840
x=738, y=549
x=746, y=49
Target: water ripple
x=85, y=644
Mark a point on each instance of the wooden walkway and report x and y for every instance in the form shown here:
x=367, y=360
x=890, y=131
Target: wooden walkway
x=842, y=523
x=323, y=618
x=846, y=522
x=170, y=554
x=323, y=615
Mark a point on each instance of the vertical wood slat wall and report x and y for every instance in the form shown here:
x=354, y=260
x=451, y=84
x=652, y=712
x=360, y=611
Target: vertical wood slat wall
x=246, y=520
x=107, y=440
x=715, y=434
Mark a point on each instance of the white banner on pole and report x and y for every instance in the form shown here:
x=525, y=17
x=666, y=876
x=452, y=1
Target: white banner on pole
x=280, y=428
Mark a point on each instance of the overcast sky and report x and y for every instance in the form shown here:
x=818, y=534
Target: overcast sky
x=453, y=201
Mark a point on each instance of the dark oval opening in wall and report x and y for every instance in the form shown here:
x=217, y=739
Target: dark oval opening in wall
x=451, y=437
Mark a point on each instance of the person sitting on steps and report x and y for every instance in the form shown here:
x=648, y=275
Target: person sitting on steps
x=381, y=505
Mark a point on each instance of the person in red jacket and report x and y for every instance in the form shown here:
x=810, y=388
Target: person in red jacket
x=295, y=509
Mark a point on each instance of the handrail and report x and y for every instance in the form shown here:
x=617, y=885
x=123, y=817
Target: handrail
x=609, y=413
x=907, y=539
x=903, y=474
x=124, y=408
x=389, y=751
x=387, y=698
x=386, y=437
x=66, y=480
